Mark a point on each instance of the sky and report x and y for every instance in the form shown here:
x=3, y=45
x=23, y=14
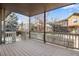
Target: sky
x=22, y=18
x=63, y=13
x=57, y=14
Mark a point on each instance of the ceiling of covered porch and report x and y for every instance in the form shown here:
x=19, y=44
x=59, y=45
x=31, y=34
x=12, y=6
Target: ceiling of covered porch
x=31, y=9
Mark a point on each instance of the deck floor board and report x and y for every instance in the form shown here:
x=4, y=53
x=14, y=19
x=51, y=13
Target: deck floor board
x=35, y=47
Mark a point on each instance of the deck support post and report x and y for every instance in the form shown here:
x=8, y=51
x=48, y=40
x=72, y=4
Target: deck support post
x=44, y=26
x=3, y=19
x=29, y=28
x=1, y=26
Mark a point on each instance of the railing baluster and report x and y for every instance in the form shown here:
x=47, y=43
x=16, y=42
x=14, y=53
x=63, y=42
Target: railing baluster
x=10, y=37
x=78, y=41
x=64, y=38
x=75, y=42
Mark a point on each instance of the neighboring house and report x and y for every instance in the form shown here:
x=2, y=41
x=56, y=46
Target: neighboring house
x=23, y=27
x=63, y=23
x=60, y=26
x=73, y=23
x=39, y=26
x=48, y=28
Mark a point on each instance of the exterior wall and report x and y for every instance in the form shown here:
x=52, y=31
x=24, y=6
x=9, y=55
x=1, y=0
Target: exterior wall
x=62, y=23
x=73, y=23
x=73, y=20
x=39, y=26
x=48, y=28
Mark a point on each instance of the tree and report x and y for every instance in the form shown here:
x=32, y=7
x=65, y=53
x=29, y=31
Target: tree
x=52, y=26
x=11, y=22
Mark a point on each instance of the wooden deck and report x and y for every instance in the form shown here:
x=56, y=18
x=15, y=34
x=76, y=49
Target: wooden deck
x=34, y=47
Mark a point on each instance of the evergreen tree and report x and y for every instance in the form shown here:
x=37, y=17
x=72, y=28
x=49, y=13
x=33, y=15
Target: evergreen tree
x=11, y=22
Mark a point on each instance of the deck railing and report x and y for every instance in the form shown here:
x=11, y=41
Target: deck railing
x=10, y=37
x=65, y=39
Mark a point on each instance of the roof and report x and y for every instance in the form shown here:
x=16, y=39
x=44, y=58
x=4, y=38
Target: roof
x=75, y=14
